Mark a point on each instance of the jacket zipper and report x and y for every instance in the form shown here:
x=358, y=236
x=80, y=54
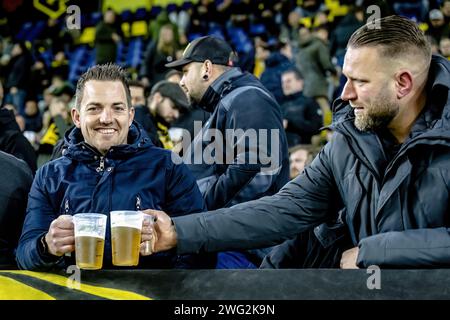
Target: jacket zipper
x=101, y=166
x=66, y=206
x=138, y=202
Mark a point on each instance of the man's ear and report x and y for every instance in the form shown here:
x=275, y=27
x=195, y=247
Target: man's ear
x=157, y=97
x=75, y=117
x=404, y=83
x=207, y=69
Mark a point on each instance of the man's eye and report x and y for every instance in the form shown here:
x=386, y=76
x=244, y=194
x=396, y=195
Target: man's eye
x=119, y=109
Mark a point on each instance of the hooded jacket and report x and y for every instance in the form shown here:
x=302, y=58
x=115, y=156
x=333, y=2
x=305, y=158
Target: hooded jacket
x=234, y=170
x=131, y=176
x=396, y=211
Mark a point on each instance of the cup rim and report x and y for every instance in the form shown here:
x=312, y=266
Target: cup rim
x=126, y=212
x=89, y=214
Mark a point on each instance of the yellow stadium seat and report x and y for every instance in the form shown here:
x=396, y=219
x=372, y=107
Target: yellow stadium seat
x=87, y=36
x=139, y=28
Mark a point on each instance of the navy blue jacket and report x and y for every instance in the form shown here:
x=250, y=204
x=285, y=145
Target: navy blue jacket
x=396, y=210
x=239, y=103
x=132, y=176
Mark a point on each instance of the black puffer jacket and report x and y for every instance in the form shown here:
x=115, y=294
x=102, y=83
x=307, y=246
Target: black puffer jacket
x=397, y=211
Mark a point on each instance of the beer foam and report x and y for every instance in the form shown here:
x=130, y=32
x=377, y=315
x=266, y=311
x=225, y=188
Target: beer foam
x=88, y=234
x=127, y=224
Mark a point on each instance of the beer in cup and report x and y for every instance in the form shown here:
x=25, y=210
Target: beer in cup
x=126, y=229
x=89, y=240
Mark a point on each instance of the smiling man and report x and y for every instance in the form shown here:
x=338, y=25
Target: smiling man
x=109, y=164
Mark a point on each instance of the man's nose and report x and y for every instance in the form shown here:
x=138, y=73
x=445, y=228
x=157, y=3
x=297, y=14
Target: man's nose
x=348, y=92
x=106, y=116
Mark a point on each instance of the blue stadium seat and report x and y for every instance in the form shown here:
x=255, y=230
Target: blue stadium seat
x=154, y=11
x=141, y=14
x=126, y=16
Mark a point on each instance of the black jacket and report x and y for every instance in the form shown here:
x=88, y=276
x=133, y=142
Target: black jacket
x=14, y=188
x=240, y=172
x=396, y=211
x=13, y=141
x=304, y=118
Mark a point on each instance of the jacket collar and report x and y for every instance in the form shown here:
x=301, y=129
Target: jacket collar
x=77, y=148
x=216, y=90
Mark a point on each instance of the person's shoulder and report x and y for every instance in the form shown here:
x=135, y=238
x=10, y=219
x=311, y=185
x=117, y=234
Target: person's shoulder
x=10, y=163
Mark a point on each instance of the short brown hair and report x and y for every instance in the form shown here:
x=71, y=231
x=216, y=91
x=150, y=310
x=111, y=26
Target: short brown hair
x=397, y=36
x=102, y=72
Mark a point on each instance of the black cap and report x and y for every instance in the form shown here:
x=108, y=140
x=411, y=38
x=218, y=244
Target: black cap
x=173, y=91
x=205, y=48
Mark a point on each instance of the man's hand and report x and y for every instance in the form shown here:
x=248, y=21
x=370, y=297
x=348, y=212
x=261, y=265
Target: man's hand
x=348, y=260
x=60, y=237
x=148, y=237
x=165, y=236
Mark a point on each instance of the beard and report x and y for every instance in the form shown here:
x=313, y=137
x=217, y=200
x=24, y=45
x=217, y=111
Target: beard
x=376, y=115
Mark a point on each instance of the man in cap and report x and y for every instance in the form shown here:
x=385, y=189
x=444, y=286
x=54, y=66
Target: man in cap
x=240, y=153
x=166, y=102
x=437, y=28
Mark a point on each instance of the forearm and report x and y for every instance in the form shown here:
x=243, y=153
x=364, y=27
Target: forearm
x=419, y=248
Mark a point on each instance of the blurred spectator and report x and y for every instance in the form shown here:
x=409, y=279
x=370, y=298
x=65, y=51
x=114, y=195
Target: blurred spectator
x=445, y=8
x=18, y=74
x=166, y=102
x=203, y=14
x=276, y=63
x=289, y=30
x=60, y=65
x=157, y=54
x=344, y=29
x=302, y=116
x=106, y=38
x=437, y=27
x=16, y=182
x=11, y=138
x=444, y=47
x=433, y=43
x=33, y=118
x=173, y=76
x=141, y=112
x=314, y=62
x=39, y=77
x=299, y=157
x=19, y=119
x=59, y=122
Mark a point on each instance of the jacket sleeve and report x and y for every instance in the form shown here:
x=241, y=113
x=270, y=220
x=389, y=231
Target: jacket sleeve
x=247, y=178
x=182, y=193
x=38, y=218
x=303, y=203
x=409, y=248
